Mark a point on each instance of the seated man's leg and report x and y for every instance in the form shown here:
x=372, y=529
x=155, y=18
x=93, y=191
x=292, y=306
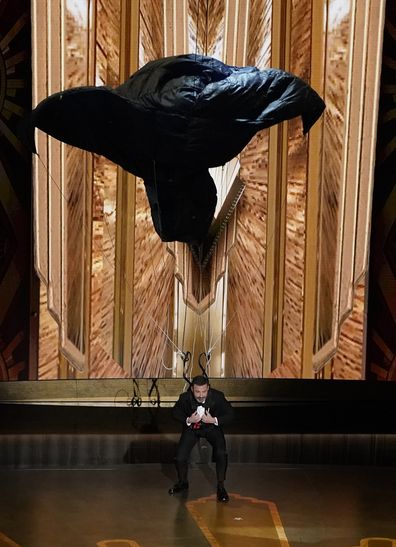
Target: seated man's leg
x=186, y=443
x=216, y=438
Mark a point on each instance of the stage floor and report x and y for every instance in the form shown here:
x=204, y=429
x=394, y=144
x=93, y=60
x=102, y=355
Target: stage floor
x=129, y=506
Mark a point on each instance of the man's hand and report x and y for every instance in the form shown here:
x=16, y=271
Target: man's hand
x=194, y=418
x=207, y=418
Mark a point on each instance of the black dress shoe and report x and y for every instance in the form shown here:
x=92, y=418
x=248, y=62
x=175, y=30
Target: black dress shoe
x=222, y=494
x=178, y=487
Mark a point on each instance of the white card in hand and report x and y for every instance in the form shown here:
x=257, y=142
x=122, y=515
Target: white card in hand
x=200, y=411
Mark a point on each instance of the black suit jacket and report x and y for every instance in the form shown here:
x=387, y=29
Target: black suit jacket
x=216, y=403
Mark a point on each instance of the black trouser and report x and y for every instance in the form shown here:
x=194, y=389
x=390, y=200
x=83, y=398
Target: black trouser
x=188, y=439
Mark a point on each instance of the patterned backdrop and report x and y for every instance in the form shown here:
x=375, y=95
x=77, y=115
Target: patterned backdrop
x=382, y=295
x=15, y=193
x=18, y=284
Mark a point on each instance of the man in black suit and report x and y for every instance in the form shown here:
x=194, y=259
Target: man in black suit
x=203, y=411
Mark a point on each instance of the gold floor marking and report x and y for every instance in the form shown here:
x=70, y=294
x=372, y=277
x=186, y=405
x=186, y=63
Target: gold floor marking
x=243, y=521
x=7, y=542
x=377, y=542
x=117, y=543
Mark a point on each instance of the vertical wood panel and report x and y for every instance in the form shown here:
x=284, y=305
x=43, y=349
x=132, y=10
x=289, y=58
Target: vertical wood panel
x=76, y=192
x=354, y=150
x=338, y=62
x=48, y=354
x=125, y=222
x=312, y=203
x=276, y=198
x=39, y=92
x=375, y=25
x=105, y=55
x=295, y=206
x=54, y=167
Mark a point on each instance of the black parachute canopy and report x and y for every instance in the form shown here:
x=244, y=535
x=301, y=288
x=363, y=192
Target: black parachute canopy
x=172, y=120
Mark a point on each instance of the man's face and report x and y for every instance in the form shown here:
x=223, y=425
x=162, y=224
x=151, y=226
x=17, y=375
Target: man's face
x=200, y=392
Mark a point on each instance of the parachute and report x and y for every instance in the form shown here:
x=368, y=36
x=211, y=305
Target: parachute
x=170, y=122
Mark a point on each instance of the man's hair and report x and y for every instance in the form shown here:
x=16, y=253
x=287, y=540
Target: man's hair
x=200, y=381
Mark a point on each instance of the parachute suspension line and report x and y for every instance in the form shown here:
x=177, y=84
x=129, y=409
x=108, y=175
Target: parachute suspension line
x=136, y=399
x=52, y=179
x=223, y=193
x=187, y=278
x=204, y=366
x=209, y=345
x=156, y=192
x=203, y=331
x=186, y=358
x=200, y=319
x=208, y=332
x=164, y=345
x=156, y=399
x=194, y=340
x=220, y=335
x=223, y=184
x=186, y=355
x=155, y=269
